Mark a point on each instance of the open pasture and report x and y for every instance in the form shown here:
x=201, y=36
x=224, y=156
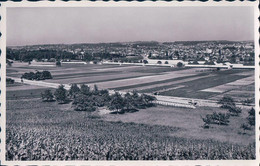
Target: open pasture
x=189, y=122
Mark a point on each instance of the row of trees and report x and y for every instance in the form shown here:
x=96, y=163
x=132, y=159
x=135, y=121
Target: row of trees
x=216, y=118
x=37, y=75
x=223, y=118
x=85, y=99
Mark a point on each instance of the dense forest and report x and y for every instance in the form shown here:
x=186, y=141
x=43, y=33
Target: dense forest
x=52, y=55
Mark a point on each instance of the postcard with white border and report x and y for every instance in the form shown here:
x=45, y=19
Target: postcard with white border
x=129, y=83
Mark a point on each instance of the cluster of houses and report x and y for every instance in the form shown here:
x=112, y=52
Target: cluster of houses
x=232, y=54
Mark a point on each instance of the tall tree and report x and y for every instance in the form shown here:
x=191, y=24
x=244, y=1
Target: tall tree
x=95, y=90
x=74, y=90
x=61, y=94
x=47, y=95
x=117, y=102
x=83, y=103
x=85, y=90
x=251, y=117
x=129, y=102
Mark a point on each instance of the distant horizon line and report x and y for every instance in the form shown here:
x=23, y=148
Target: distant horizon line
x=129, y=42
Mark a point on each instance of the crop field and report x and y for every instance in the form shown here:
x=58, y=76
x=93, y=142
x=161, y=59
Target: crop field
x=27, y=92
x=149, y=79
x=239, y=94
x=38, y=130
x=47, y=131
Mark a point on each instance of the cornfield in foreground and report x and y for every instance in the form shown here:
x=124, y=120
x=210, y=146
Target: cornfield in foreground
x=94, y=139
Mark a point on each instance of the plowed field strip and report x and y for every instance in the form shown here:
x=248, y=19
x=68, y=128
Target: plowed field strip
x=100, y=78
x=166, y=84
x=192, y=88
x=86, y=74
x=119, y=68
x=231, y=85
x=158, y=69
x=140, y=80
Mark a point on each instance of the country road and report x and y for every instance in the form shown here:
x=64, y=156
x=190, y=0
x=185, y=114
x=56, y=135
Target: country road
x=162, y=100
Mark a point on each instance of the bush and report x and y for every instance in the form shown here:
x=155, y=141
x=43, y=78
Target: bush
x=234, y=111
x=47, y=96
x=159, y=62
x=245, y=126
x=195, y=62
x=179, y=64
x=166, y=62
x=145, y=61
x=209, y=63
x=9, y=81
x=247, y=101
x=58, y=63
x=9, y=63
x=226, y=102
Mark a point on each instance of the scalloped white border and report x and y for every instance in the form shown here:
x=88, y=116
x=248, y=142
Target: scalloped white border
x=5, y=5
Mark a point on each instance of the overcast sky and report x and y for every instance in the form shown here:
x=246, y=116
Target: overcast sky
x=30, y=26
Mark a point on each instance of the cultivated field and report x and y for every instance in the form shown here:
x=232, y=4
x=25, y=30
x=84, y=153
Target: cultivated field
x=38, y=130
x=51, y=131
x=186, y=82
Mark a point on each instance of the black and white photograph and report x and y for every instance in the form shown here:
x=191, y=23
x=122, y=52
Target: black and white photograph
x=119, y=83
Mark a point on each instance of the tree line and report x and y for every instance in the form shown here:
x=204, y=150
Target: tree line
x=37, y=75
x=28, y=55
x=85, y=99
